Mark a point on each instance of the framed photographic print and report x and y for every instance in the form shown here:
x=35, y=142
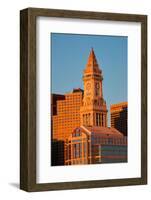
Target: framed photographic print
x=83, y=99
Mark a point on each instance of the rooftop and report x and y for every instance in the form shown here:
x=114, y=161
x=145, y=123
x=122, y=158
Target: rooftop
x=102, y=131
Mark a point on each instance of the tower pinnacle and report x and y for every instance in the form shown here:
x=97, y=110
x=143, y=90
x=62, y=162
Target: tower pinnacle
x=93, y=110
x=92, y=64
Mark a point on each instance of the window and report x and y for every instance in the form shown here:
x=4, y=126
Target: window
x=77, y=150
x=86, y=119
x=110, y=141
x=85, y=149
x=89, y=120
x=78, y=132
x=98, y=119
x=99, y=115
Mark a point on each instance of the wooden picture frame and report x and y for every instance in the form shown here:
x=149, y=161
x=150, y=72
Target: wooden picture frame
x=28, y=98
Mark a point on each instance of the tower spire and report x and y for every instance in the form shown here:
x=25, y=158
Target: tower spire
x=92, y=64
x=93, y=109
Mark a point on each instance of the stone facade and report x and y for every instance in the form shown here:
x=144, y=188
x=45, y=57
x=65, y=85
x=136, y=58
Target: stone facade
x=93, y=110
x=94, y=145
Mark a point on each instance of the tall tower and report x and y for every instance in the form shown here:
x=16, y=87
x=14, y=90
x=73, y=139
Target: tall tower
x=93, y=111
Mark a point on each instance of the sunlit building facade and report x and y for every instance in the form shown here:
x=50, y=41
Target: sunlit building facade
x=119, y=116
x=67, y=115
x=95, y=145
x=80, y=133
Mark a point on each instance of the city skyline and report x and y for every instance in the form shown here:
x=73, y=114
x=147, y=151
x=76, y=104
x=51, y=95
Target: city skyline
x=111, y=54
x=80, y=132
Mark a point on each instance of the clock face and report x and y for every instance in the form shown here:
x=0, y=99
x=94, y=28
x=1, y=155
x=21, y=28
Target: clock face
x=88, y=86
x=88, y=93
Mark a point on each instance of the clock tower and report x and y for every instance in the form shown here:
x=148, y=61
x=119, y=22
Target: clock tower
x=93, y=111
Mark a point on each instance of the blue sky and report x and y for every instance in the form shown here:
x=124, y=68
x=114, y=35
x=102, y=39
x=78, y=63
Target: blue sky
x=69, y=53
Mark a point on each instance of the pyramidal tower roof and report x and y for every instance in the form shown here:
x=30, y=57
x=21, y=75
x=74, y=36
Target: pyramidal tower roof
x=92, y=64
